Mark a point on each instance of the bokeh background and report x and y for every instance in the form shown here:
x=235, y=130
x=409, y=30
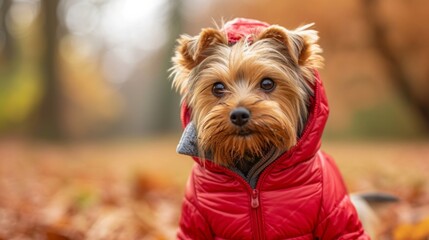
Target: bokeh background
x=89, y=121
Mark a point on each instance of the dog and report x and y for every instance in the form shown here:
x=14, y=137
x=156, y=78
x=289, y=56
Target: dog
x=253, y=111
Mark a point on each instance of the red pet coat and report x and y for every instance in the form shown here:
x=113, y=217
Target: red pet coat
x=301, y=195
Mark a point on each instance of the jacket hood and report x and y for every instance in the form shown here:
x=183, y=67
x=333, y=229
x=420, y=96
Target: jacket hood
x=241, y=27
x=310, y=140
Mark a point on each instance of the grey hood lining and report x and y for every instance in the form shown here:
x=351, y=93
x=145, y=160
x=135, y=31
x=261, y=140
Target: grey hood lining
x=188, y=144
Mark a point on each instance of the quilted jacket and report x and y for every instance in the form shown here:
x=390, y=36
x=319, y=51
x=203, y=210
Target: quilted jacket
x=300, y=196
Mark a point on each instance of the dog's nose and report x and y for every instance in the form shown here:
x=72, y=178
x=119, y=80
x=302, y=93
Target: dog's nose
x=240, y=116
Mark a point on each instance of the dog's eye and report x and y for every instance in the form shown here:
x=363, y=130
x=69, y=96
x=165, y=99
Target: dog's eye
x=218, y=89
x=267, y=84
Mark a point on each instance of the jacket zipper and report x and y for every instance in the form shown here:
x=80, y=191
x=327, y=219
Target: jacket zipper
x=255, y=199
x=256, y=212
x=255, y=202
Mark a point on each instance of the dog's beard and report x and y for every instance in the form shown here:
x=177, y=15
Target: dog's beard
x=230, y=145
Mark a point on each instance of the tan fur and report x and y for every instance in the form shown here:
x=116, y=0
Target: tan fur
x=277, y=118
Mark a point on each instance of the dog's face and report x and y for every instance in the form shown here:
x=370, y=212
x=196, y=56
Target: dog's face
x=248, y=97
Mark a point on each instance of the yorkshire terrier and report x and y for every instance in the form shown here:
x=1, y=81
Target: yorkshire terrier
x=254, y=109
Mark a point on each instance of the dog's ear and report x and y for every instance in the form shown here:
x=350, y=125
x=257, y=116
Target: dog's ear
x=306, y=46
x=301, y=44
x=192, y=50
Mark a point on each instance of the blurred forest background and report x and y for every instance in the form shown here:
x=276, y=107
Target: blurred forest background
x=89, y=122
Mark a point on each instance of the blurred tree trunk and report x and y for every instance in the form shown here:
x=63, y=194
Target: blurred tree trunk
x=166, y=118
x=8, y=47
x=48, y=120
x=395, y=69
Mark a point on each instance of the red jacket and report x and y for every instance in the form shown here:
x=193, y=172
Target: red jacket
x=301, y=195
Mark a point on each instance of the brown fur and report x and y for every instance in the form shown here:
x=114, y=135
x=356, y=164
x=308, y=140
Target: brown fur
x=277, y=118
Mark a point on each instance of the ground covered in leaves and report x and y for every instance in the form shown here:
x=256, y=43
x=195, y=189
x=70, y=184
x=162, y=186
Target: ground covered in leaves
x=133, y=189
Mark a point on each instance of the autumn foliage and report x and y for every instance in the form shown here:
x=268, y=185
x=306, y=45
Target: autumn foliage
x=133, y=190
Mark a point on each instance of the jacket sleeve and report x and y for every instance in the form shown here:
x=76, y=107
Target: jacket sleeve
x=192, y=224
x=338, y=218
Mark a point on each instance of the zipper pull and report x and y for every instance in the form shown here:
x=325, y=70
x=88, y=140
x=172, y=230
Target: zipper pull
x=255, y=199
